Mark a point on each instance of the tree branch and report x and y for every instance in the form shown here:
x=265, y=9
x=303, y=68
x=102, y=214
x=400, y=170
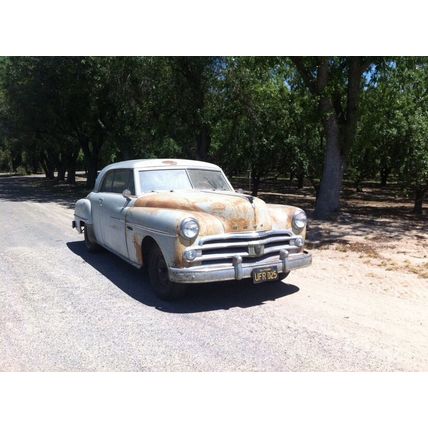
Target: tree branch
x=305, y=74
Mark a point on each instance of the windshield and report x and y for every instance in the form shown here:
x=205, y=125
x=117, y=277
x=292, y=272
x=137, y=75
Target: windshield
x=181, y=179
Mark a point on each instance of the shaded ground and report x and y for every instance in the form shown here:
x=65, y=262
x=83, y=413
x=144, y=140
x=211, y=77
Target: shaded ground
x=37, y=188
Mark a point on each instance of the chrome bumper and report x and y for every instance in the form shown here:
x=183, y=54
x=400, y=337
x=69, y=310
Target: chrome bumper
x=239, y=270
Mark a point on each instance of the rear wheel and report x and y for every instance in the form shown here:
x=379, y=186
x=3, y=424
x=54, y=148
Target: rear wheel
x=90, y=242
x=159, y=278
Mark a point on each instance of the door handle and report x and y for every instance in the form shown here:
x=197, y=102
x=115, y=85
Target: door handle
x=100, y=202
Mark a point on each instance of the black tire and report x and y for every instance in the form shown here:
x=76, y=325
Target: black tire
x=157, y=270
x=283, y=275
x=90, y=242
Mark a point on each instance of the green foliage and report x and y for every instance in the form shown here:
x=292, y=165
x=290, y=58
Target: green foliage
x=392, y=137
x=244, y=113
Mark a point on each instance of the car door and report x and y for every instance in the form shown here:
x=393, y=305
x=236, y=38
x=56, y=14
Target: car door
x=114, y=207
x=97, y=205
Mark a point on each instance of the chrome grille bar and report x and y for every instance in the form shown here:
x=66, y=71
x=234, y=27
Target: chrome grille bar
x=245, y=236
x=246, y=243
x=223, y=256
x=223, y=248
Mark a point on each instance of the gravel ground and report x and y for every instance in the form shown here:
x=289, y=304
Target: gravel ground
x=63, y=309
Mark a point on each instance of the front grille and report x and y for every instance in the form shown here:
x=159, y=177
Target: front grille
x=220, y=249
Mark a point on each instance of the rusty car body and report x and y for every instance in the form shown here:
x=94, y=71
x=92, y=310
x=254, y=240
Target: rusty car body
x=185, y=223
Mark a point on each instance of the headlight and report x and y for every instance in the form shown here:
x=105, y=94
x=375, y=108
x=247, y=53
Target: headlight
x=299, y=220
x=189, y=228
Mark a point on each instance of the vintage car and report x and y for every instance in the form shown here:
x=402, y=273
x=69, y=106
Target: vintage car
x=184, y=223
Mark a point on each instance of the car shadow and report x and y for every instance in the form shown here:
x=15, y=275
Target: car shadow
x=200, y=298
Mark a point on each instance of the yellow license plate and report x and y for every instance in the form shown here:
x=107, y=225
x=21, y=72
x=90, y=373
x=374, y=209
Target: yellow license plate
x=265, y=274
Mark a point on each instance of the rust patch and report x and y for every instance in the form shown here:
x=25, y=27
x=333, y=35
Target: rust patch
x=169, y=162
x=178, y=258
x=281, y=215
x=235, y=213
x=138, y=250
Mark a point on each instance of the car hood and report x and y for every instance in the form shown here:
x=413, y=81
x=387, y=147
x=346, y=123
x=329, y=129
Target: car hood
x=236, y=212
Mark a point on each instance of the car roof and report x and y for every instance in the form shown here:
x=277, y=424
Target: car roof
x=153, y=163
x=160, y=163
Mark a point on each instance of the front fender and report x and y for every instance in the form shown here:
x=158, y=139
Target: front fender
x=163, y=226
x=282, y=216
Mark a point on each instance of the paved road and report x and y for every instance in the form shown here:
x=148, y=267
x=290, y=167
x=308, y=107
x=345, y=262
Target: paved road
x=62, y=308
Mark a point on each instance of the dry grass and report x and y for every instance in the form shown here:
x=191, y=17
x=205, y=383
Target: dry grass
x=364, y=249
x=373, y=255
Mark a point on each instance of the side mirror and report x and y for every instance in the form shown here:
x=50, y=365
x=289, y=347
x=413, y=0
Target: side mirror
x=127, y=194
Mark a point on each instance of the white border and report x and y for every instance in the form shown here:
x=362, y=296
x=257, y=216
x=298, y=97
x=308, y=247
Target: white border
x=70, y=400
x=190, y=27
x=220, y=27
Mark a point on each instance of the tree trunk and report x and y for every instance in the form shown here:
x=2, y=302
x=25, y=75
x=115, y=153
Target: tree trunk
x=71, y=173
x=203, y=143
x=92, y=172
x=316, y=187
x=91, y=158
x=47, y=166
x=339, y=126
x=124, y=149
x=419, y=199
x=384, y=174
x=328, y=201
x=300, y=180
x=61, y=172
x=255, y=184
x=70, y=165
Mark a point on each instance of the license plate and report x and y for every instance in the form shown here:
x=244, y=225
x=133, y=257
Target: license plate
x=265, y=274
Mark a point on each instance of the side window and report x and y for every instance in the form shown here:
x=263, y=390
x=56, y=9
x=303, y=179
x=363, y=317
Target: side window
x=120, y=182
x=107, y=182
x=117, y=180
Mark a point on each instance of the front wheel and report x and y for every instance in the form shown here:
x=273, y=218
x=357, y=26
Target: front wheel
x=159, y=278
x=283, y=275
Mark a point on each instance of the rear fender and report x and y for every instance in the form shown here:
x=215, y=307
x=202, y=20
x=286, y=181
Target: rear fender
x=82, y=213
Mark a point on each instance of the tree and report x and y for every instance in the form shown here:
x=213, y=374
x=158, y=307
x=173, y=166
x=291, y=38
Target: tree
x=336, y=82
x=394, y=128
x=254, y=123
x=411, y=77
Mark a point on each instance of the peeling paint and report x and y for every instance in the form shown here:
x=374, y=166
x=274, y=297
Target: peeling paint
x=138, y=250
x=236, y=214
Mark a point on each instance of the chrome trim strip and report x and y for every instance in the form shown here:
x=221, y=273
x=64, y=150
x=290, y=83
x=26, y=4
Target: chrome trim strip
x=243, y=235
x=245, y=243
x=149, y=230
x=219, y=256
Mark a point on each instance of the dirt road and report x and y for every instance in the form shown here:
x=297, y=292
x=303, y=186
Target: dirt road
x=62, y=308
